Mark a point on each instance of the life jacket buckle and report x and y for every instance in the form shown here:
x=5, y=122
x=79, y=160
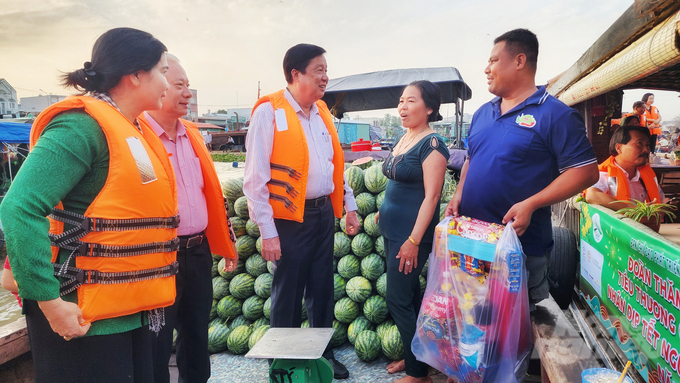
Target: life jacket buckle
x=174, y=268
x=86, y=224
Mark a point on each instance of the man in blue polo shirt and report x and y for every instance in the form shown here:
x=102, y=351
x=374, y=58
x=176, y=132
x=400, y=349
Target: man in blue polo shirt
x=527, y=151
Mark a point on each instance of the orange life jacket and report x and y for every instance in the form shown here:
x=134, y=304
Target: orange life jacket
x=290, y=162
x=125, y=243
x=218, y=226
x=652, y=114
x=622, y=191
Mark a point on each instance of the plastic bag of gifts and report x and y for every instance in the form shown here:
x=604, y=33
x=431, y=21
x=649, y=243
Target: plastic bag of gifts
x=474, y=321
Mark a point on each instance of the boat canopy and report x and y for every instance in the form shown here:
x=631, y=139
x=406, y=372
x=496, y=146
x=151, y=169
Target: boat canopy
x=15, y=132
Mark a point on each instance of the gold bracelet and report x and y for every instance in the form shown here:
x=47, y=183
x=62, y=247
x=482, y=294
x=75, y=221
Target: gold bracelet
x=413, y=241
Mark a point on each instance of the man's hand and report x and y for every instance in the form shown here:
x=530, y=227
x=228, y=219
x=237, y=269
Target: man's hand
x=453, y=207
x=230, y=264
x=352, y=223
x=65, y=318
x=271, y=249
x=521, y=214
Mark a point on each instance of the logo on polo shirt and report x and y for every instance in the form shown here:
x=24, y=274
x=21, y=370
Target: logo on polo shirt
x=527, y=120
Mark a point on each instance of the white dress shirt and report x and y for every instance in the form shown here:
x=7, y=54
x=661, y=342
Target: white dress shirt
x=636, y=188
x=259, y=145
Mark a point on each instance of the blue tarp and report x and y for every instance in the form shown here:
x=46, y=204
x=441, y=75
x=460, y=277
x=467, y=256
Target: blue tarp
x=15, y=132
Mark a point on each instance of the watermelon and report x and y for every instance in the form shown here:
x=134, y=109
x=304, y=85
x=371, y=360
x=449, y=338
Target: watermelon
x=258, y=245
x=229, y=307
x=423, y=285
x=380, y=246
x=339, y=284
x=263, y=285
x=257, y=334
x=381, y=285
x=240, y=320
x=252, y=307
x=346, y=310
x=233, y=188
x=355, y=179
x=365, y=204
x=359, y=289
x=382, y=328
x=374, y=179
x=379, y=199
x=214, y=271
x=370, y=226
x=367, y=345
x=228, y=275
x=252, y=229
x=213, y=309
x=341, y=244
x=372, y=267
x=242, y=286
x=339, y=333
x=256, y=265
x=266, y=308
x=304, y=324
x=216, y=257
x=217, y=338
x=245, y=246
x=337, y=224
x=237, y=341
x=220, y=287
x=359, y=218
x=335, y=265
x=448, y=188
x=215, y=321
x=238, y=224
x=230, y=209
x=347, y=165
x=271, y=267
x=363, y=163
x=362, y=245
x=358, y=325
x=349, y=267
x=261, y=322
x=241, y=207
x=392, y=346
x=375, y=309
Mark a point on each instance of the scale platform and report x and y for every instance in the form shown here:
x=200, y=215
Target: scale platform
x=292, y=343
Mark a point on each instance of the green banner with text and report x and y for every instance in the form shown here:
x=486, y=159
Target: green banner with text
x=630, y=277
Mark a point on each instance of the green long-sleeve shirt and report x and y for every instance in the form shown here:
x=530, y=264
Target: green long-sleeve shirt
x=70, y=163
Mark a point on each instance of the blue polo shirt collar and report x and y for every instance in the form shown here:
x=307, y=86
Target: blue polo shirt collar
x=537, y=98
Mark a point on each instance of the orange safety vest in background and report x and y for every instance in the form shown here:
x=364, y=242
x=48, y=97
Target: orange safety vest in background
x=652, y=114
x=126, y=261
x=290, y=162
x=622, y=191
x=218, y=227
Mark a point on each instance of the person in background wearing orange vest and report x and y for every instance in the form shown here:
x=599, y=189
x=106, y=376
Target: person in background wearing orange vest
x=203, y=229
x=626, y=176
x=295, y=184
x=112, y=264
x=653, y=119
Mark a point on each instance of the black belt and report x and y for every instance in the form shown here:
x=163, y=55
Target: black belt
x=317, y=202
x=189, y=241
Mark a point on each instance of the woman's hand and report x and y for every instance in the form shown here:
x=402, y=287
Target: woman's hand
x=408, y=253
x=65, y=318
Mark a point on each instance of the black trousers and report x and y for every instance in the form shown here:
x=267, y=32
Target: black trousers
x=403, y=300
x=305, y=269
x=190, y=315
x=115, y=358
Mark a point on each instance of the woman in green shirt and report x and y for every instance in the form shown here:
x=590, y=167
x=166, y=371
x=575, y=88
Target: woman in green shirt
x=70, y=163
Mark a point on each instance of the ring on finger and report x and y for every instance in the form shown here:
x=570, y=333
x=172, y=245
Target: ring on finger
x=408, y=263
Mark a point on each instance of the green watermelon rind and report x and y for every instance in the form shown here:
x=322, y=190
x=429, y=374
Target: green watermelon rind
x=346, y=310
x=367, y=345
x=241, y=207
x=362, y=245
x=252, y=307
x=375, y=309
x=358, y=325
x=242, y=286
x=237, y=342
x=358, y=289
x=263, y=285
x=349, y=266
x=372, y=267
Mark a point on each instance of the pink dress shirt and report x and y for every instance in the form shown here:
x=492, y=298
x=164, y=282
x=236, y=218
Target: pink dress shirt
x=259, y=144
x=193, y=209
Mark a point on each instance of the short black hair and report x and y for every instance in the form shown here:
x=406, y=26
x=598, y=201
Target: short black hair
x=298, y=57
x=645, y=97
x=521, y=41
x=116, y=53
x=628, y=120
x=638, y=104
x=622, y=136
x=432, y=96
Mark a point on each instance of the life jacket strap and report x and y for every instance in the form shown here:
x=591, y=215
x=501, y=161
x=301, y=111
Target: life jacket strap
x=287, y=203
x=86, y=249
x=294, y=174
x=77, y=277
x=89, y=224
x=289, y=188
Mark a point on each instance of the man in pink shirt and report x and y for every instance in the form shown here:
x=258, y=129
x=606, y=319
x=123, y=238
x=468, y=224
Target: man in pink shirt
x=191, y=310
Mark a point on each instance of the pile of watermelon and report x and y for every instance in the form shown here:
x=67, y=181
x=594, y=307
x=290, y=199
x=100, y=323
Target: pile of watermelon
x=241, y=304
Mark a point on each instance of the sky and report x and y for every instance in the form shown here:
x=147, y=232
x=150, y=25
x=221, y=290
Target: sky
x=228, y=46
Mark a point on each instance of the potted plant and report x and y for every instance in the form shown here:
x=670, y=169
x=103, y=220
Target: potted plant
x=648, y=214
